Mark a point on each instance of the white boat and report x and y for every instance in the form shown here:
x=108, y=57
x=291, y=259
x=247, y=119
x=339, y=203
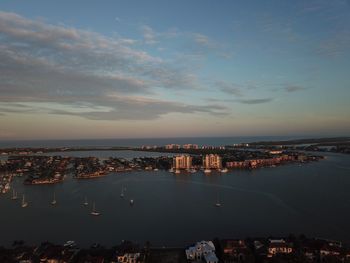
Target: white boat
x=217, y=204
x=155, y=169
x=171, y=170
x=24, y=203
x=225, y=170
x=207, y=171
x=14, y=195
x=85, y=201
x=193, y=171
x=94, y=212
x=131, y=201
x=54, y=202
x=122, y=193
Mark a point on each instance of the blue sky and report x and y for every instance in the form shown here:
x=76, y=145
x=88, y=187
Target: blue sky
x=86, y=69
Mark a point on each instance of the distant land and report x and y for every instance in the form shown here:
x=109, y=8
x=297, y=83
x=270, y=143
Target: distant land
x=320, y=141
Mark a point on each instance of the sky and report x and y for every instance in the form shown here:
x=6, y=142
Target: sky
x=188, y=68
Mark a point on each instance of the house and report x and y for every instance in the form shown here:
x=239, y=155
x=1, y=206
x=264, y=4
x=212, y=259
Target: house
x=322, y=250
x=235, y=251
x=278, y=246
x=127, y=252
x=203, y=250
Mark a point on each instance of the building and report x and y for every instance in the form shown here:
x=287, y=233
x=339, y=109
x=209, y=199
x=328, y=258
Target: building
x=172, y=146
x=182, y=162
x=212, y=161
x=278, y=246
x=127, y=252
x=190, y=146
x=129, y=258
x=204, y=250
x=236, y=251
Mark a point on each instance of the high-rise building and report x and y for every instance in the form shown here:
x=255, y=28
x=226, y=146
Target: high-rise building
x=182, y=162
x=212, y=161
x=172, y=146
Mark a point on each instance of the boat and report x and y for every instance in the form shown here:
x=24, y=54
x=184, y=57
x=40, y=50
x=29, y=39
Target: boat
x=94, y=212
x=171, y=170
x=225, y=170
x=122, y=193
x=131, y=201
x=217, y=204
x=24, y=203
x=85, y=202
x=207, y=171
x=54, y=202
x=193, y=171
x=14, y=195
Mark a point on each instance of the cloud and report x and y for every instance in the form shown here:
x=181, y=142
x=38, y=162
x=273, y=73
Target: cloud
x=202, y=40
x=230, y=88
x=70, y=69
x=294, y=88
x=84, y=52
x=114, y=107
x=243, y=101
x=192, y=44
x=335, y=45
x=149, y=35
x=256, y=101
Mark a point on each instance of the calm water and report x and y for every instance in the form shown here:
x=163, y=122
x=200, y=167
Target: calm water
x=176, y=210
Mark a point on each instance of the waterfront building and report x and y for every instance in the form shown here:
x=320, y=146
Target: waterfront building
x=149, y=147
x=172, y=146
x=190, y=146
x=236, y=251
x=278, y=246
x=204, y=250
x=182, y=162
x=212, y=161
x=129, y=258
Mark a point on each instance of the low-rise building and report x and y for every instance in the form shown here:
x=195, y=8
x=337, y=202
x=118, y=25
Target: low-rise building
x=203, y=250
x=236, y=251
x=278, y=246
x=127, y=252
x=129, y=258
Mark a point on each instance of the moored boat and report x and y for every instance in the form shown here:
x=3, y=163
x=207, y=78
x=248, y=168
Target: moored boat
x=85, y=201
x=94, y=212
x=54, y=202
x=14, y=195
x=24, y=203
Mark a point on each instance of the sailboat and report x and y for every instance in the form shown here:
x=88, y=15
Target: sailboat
x=122, y=193
x=94, y=212
x=14, y=195
x=53, y=202
x=217, y=204
x=24, y=203
x=85, y=202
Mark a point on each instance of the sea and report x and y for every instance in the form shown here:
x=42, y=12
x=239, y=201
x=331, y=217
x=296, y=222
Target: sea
x=177, y=210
